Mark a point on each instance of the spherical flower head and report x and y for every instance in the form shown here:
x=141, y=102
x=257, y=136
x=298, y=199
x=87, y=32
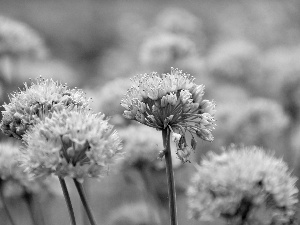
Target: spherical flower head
x=234, y=61
x=36, y=102
x=142, y=146
x=12, y=176
x=243, y=185
x=73, y=143
x=177, y=20
x=18, y=39
x=171, y=101
x=166, y=49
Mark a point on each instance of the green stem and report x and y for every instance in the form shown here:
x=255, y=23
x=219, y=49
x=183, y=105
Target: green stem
x=84, y=202
x=68, y=200
x=10, y=218
x=170, y=176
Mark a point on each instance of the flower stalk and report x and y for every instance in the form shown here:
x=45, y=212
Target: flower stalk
x=68, y=200
x=170, y=176
x=84, y=201
x=10, y=218
x=28, y=197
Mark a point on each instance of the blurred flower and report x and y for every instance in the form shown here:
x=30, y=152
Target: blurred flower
x=18, y=39
x=142, y=146
x=178, y=21
x=74, y=143
x=243, y=185
x=13, y=177
x=135, y=214
x=171, y=101
x=36, y=102
x=235, y=61
x=107, y=101
x=163, y=50
x=257, y=121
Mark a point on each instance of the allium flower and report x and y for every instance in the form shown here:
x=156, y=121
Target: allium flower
x=177, y=20
x=243, y=186
x=17, y=38
x=257, y=121
x=37, y=101
x=142, y=146
x=73, y=143
x=171, y=101
x=235, y=61
x=166, y=49
x=13, y=177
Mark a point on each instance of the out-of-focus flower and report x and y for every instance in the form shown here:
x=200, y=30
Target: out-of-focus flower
x=13, y=177
x=107, y=101
x=73, y=143
x=257, y=121
x=243, y=185
x=135, y=214
x=142, y=146
x=36, y=102
x=171, y=101
x=18, y=39
x=178, y=21
x=235, y=61
x=163, y=50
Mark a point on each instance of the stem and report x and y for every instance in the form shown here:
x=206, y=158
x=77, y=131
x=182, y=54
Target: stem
x=10, y=218
x=29, y=200
x=84, y=202
x=170, y=176
x=68, y=200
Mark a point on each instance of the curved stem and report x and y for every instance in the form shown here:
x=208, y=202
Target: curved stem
x=84, y=202
x=170, y=176
x=68, y=200
x=10, y=218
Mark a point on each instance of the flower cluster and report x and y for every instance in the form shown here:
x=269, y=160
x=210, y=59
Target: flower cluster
x=142, y=146
x=165, y=49
x=13, y=177
x=37, y=101
x=243, y=185
x=73, y=143
x=171, y=101
x=17, y=38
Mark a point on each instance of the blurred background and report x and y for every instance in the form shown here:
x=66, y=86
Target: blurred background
x=246, y=53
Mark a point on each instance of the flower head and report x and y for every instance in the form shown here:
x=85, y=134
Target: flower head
x=37, y=101
x=12, y=176
x=170, y=101
x=73, y=143
x=17, y=38
x=243, y=184
x=142, y=146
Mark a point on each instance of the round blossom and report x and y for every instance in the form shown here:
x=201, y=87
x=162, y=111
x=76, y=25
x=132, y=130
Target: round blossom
x=142, y=145
x=37, y=101
x=13, y=177
x=165, y=49
x=73, y=143
x=171, y=101
x=243, y=186
x=17, y=38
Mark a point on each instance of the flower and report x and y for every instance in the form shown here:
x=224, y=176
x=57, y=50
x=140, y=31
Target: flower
x=73, y=143
x=165, y=49
x=243, y=184
x=171, y=101
x=13, y=177
x=34, y=103
x=17, y=38
x=142, y=145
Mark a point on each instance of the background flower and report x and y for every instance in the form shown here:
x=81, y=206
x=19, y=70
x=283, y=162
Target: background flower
x=240, y=183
